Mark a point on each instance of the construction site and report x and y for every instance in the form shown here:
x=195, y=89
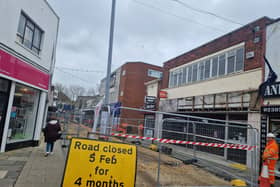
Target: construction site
x=191, y=155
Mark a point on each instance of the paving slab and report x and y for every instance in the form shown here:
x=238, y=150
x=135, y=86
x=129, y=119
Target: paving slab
x=11, y=165
x=3, y=173
x=43, y=171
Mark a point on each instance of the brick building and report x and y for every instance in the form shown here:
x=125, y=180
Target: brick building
x=220, y=79
x=127, y=87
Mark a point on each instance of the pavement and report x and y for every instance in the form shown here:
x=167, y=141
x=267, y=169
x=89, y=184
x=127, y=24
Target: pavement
x=28, y=167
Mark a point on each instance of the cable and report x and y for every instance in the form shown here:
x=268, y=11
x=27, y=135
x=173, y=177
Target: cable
x=177, y=16
x=79, y=70
x=207, y=12
x=74, y=76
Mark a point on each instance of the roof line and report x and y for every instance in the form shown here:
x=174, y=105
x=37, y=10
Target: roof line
x=51, y=8
x=235, y=30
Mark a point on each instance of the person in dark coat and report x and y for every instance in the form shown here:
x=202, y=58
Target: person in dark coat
x=52, y=132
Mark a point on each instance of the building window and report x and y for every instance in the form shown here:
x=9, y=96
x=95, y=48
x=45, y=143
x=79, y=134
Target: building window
x=175, y=79
x=207, y=69
x=23, y=114
x=123, y=73
x=201, y=71
x=231, y=61
x=29, y=34
x=180, y=77
x=190, y=74
x=185, y=74
x=222, y=64
x=194, y=75
x=215, y=66
x=170, y=79
x=239, y=59
x=226, y=63
x=154, y=73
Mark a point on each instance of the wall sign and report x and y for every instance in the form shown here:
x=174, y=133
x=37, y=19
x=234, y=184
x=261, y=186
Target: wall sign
x=93, y=163
x=150, y=102
x=271, y=90
x=163, y=94
x=263, y=132
x=270, y=109
x=17, y=69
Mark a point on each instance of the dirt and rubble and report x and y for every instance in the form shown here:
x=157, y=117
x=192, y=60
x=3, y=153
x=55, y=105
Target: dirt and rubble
x=173, y=172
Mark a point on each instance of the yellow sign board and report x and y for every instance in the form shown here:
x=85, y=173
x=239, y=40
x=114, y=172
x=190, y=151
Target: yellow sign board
x=93, y=163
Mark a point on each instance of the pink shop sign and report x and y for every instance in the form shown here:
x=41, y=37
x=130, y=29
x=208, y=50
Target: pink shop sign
x=20, y=70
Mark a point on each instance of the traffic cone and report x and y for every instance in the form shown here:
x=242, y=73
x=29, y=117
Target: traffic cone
x=264, y=182
x=264, y=177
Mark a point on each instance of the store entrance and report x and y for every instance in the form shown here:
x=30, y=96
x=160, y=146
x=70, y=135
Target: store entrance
x=4, y=98
x=275, y=129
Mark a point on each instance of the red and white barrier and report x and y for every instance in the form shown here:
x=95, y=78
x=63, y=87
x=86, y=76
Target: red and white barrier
x=170, y=141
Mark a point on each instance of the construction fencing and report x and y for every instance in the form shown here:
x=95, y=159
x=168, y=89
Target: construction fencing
x=186, y=150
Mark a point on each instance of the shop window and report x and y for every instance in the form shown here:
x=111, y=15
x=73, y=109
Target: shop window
x=23, y=114
x=29, y=34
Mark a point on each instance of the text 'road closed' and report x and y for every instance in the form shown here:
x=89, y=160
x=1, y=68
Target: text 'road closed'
x=93, y=163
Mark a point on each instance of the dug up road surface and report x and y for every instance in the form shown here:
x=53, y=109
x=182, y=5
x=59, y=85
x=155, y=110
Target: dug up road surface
x=173, y=172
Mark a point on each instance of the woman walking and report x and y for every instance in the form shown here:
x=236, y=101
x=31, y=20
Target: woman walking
x=51, y=133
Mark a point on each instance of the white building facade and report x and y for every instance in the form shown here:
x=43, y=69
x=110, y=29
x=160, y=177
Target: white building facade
x=28, y=38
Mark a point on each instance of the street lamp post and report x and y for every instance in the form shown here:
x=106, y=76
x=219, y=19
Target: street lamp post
x=106, y=99
x=107, y=88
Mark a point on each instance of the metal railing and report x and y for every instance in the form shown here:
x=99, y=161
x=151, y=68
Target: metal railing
x=225, y=162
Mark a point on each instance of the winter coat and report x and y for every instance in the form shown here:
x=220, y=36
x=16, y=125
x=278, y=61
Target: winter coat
x=52, y=131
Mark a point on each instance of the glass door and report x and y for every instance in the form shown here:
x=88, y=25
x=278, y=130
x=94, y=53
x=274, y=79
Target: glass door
x=275, y=129
x=4, y=99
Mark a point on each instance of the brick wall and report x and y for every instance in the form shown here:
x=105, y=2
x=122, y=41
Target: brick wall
x=243, y=34
x=133, y=87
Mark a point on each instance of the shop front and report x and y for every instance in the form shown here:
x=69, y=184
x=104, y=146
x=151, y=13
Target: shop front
x=23, y=93
x=270, y=118
x=4, y=98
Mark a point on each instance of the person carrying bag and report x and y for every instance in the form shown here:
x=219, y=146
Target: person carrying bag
x=52, y=132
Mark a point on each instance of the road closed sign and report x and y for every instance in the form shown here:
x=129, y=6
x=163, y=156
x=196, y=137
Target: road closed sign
x=92, y=163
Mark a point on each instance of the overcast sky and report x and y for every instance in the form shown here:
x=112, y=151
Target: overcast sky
x=151, y=31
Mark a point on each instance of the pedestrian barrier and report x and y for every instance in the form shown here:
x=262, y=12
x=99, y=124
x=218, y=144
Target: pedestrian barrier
x=184, y=146
x=227, y=148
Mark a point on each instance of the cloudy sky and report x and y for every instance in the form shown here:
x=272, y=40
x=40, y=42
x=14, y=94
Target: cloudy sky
x=151, y=31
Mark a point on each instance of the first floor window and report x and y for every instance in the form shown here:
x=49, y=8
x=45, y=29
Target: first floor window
x=194, y=75
x=222, y=64
x=29, y=34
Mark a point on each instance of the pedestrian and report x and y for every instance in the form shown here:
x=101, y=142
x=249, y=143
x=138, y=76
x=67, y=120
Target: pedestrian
x=52, y=132
x=270, y=156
